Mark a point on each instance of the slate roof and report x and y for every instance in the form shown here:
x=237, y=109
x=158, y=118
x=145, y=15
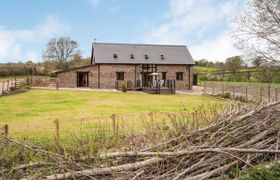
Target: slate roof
x=112, y=53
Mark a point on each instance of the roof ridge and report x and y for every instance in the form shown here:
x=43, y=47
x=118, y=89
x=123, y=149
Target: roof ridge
x=132, y=44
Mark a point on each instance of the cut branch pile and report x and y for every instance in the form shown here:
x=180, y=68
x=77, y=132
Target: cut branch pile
x=239, y=138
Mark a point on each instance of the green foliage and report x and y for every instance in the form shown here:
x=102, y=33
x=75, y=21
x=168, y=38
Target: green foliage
x=123, y=85
x=260, y=173
x=240, y=98
x=23, y=85
x=225, y=95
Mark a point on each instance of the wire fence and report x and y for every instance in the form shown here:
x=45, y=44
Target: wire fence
x=247, y=92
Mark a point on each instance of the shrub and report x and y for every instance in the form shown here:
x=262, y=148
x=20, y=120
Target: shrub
x=225, y=95
x=124, y=86
x=240, y=98
x=23, y=85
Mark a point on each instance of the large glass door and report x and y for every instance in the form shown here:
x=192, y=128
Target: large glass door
x=146, y=70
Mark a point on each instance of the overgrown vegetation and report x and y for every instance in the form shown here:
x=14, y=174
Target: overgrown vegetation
x=181, y=151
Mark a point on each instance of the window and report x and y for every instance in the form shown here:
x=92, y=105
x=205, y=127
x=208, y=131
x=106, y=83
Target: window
x=163, y=75
x=162, y=57
x=146, y=56
x=115, y=56
x=179, y=76
x=131, y=56
x=120, y=76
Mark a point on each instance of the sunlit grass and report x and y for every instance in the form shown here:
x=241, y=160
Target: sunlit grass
x=31, y=114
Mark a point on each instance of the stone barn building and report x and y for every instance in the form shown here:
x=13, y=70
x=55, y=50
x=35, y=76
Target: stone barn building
x=151, y=68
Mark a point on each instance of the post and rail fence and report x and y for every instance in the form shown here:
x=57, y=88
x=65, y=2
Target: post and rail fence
x=9, y=85
x=248, y=92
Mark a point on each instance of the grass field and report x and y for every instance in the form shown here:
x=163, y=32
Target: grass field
x=3, y=78
x=32, y=113
x=203, y=69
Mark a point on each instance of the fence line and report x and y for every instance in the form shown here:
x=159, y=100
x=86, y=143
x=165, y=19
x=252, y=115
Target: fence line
x=38, y=81
x=9, y=85
x=117, y=126
x=246, y=92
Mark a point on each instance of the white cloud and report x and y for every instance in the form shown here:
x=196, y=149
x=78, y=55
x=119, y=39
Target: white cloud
x=32, y=55
x=14, y=41
x=198, y=23
x=217, y=49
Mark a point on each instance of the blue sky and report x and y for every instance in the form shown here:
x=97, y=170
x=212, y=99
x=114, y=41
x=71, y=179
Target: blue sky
x=202, y=25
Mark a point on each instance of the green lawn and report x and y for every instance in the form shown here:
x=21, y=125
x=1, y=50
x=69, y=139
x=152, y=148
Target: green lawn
x=203, y=69
x=3, y=78
x=32, y=113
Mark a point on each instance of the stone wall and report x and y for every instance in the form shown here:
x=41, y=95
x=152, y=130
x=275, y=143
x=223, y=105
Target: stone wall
x=69, y=78
x=108, y=75
x=186, y=83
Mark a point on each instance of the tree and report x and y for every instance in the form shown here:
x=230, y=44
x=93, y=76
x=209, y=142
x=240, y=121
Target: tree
x=234, y=63
x=266, y=73
x=258, y=61
x=257, y=31
x=61, y=50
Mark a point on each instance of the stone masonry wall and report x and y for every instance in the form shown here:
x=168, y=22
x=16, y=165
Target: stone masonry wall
x=108, y=75
x=171, y=75
x=69, y=78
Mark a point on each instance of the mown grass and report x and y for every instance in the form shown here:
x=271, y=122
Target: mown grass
x=31, y=114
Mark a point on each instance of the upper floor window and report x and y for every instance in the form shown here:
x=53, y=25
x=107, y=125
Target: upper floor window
x=179, y=76
x=115, y=56
x=131, y=56
x=146, y=56
x=162, y=57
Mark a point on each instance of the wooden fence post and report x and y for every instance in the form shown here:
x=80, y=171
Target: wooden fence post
x=261, y=93
x=5, y=141
x=193, y=120
x=56, y=83
x=268, y=92
x=205, y=87
x=246, y=93
x=276, y=94
x=115, y=127
x=27, y=81
x=196, y=119
x=3, y=84
x=57, y=132
x=223, y=88
x=213, y=88
x=8, y=84
x=15, y=79
x=152, y=119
